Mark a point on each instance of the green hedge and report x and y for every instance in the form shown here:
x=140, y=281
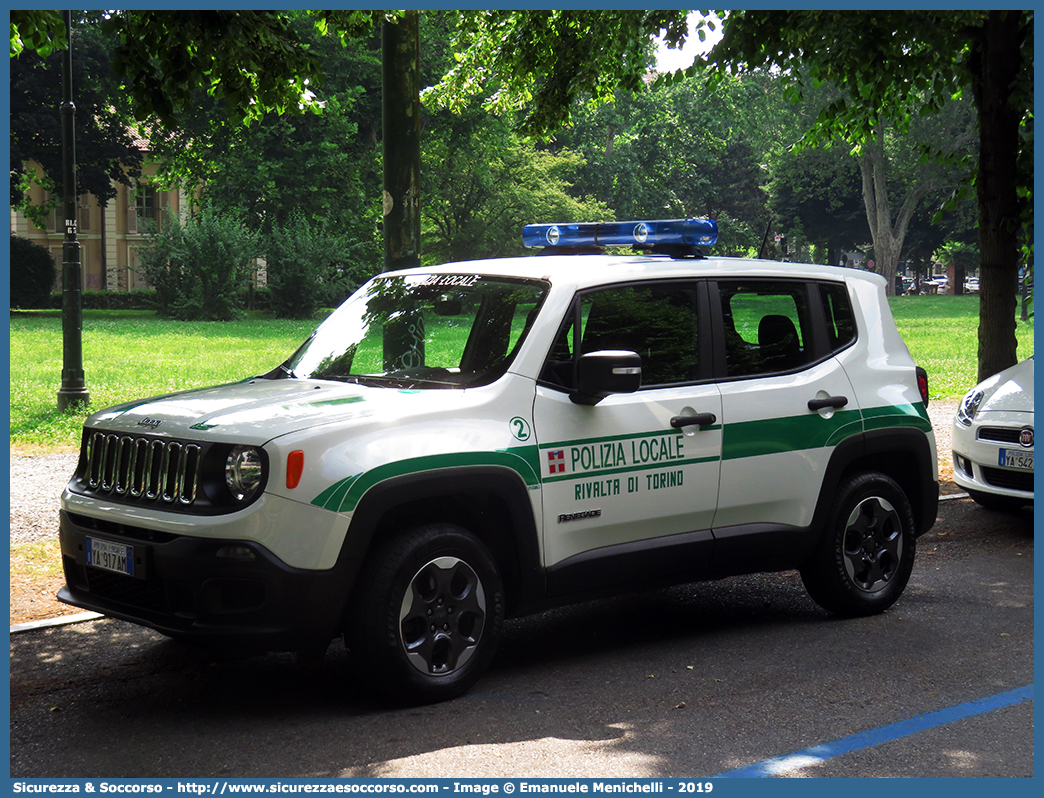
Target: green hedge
x=145, y=299
x=141, y=299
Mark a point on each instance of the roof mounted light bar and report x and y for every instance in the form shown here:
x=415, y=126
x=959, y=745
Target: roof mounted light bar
x=676, y=237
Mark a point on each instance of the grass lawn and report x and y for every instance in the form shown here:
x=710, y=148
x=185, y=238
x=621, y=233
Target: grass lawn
x=131, y=355
x=942, y=333
x=134, y=354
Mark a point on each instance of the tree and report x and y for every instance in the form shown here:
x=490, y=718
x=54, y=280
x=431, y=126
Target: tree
x=309, y=267
x=819, y=191
x=38, y=31
x=484, y=183
x=319, y=167
x=107, y=149
x=32, y=274
x=678, y=150
x=539, y=62
x=255, y=61
x=199, y=267
x=895, y=65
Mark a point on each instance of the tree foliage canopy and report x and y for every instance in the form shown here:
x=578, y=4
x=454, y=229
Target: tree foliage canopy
x=712, y=140
x=40, y=31
x=540, y=62
x=892, y=65
x=895, y=65
x=107, y=151
x=254, y=60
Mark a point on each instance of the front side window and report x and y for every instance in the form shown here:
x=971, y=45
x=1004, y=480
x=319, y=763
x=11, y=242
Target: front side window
x=422, y=331
x=767, y=326
x=657, y=321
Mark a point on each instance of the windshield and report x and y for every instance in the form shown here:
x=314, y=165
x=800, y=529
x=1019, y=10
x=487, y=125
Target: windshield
x=422, y=331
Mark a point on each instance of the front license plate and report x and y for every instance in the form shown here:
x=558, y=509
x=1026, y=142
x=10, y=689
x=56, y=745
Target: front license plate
x=1016, y=458
x=110, y=556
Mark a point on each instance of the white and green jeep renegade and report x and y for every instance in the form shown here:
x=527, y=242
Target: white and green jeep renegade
x=482, y=440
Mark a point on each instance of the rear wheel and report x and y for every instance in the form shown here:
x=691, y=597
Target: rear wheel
x=430, y=615
x=866, y=556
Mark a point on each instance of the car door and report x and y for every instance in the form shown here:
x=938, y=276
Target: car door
x=786, y=402
x=629, y=485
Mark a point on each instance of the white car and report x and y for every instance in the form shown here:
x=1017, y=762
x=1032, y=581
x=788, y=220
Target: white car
x=461, y=444
x=993, y=439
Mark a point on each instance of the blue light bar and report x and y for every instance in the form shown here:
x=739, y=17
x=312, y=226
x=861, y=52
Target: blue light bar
x=689, y=232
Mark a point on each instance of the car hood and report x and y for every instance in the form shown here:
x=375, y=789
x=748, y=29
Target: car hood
x=1010, y=390
x=258, y=410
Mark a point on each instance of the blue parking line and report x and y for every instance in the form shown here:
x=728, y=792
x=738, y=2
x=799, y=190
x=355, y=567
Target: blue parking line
x=882, y=734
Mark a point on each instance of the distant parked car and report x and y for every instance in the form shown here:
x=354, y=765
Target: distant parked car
x=971, y=285
x=993, y=439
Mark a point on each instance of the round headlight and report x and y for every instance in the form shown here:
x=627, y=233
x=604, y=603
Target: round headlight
x=243, y=472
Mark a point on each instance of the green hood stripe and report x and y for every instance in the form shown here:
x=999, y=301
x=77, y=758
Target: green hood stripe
x=344, y=496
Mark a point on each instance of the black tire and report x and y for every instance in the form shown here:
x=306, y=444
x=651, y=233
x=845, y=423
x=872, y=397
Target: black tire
x=866, y=556
x=1002, y=504
x=430, y=615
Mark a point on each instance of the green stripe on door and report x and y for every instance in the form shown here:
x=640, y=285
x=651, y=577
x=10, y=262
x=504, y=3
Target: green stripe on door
x=747, y=439
x=790, y=434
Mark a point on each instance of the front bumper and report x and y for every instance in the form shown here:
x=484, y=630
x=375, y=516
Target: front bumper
x=977, y=459
x=213, y=591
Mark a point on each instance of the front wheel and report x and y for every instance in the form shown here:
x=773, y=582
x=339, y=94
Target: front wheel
x=866, y=556
x=430, y=615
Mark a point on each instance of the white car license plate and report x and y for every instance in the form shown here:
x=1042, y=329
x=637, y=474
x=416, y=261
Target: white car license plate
x=110, y=556
x=1016, y=458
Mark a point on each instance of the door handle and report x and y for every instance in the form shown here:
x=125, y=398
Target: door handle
x=836, y=402
x=697, y=420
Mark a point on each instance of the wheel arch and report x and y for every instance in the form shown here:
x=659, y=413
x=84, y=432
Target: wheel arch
x=490, y=502
x=902, y=454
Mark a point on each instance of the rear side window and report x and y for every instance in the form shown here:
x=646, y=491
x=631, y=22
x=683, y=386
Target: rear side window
x=767, y=326
x=840, y=320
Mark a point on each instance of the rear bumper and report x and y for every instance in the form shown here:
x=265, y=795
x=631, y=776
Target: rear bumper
x=192, y=588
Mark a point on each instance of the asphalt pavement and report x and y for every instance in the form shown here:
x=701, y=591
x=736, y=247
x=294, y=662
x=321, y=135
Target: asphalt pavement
x=744, y=675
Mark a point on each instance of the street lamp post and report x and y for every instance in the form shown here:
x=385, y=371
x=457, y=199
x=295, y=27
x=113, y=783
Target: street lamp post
x=74, y=389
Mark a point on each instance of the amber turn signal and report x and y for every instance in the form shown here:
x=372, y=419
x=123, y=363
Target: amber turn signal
x=294, y=468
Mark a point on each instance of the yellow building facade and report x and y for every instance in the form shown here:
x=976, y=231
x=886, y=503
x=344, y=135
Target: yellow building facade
x=110, y=236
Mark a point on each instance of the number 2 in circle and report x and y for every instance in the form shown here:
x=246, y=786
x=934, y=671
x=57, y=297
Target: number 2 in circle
x=520, y=429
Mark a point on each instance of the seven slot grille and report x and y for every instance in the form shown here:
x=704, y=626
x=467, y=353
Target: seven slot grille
x=142, y=468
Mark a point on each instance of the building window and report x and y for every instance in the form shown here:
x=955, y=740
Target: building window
x=55, y=220
x=145, y=214
x=83, y=214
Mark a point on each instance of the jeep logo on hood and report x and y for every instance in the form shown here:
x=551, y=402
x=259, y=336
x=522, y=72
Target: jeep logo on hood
x=151, y=423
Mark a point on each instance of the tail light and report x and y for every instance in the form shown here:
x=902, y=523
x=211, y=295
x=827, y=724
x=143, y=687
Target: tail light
x=922, y=384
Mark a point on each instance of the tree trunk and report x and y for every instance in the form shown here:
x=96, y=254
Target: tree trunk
x=886, y=236
x=400, y=72
x=995, y=63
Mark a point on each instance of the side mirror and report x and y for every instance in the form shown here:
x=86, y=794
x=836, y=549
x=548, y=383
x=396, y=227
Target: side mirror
x=599, y=374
